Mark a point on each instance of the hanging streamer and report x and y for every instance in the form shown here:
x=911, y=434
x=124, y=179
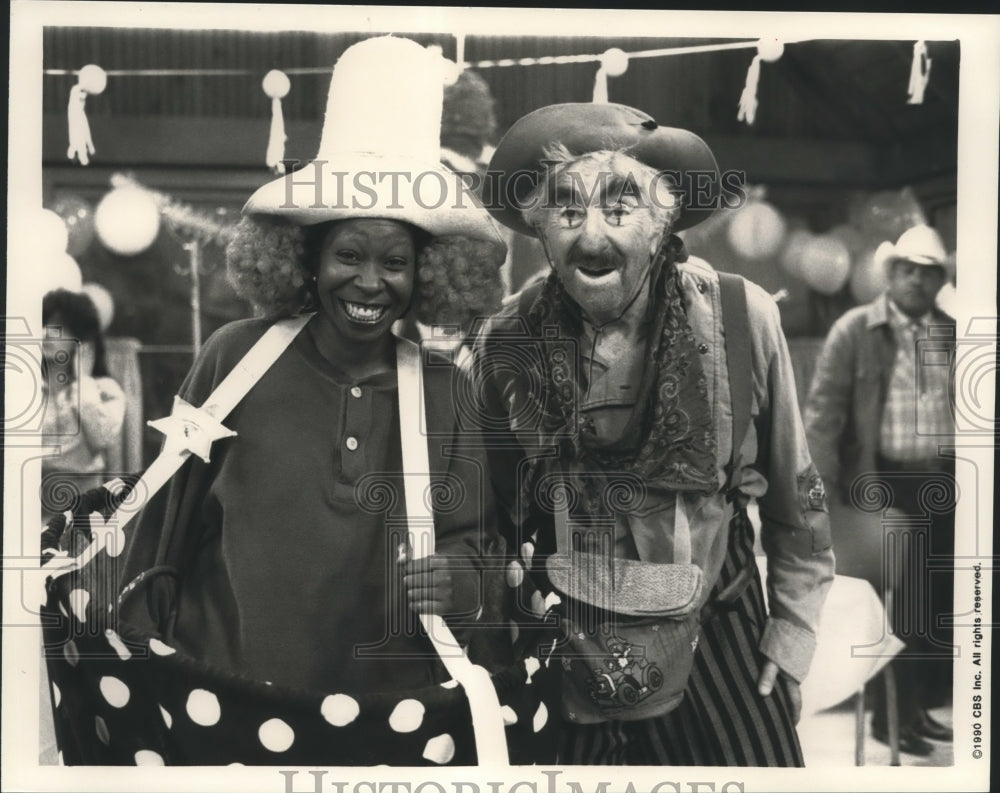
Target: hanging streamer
x=91, y=80
x=748, y=99
x=767, y=50
x=601, y=86
x=920, y=73
x=276, y=85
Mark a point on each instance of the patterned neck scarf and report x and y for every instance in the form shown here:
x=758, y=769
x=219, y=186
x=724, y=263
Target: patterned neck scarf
x=669, y=441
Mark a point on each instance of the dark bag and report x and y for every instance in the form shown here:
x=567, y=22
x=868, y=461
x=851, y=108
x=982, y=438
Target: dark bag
x=631, y=628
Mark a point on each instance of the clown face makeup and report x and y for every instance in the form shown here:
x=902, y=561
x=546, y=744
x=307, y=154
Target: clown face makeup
x=600, y=232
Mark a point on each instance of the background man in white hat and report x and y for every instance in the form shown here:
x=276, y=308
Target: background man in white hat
x=621, y=377
x=879, y=405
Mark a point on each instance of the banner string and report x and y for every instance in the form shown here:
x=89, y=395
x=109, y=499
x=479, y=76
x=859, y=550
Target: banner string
x=546, y=60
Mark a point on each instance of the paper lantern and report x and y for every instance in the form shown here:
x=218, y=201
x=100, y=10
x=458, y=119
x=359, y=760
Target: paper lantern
x=127, y=220
x=60, y=271
x=826, y=264
x=757, y=231
x=103, y=302
x=887, y=214
x=51, y=232
x=276, y=84
x=92, y=79
x=791, y=256
x=770, y=49
x=850, y=235
x=947, y=300
x=615, y=62
x=869, y=279
x=78, y=216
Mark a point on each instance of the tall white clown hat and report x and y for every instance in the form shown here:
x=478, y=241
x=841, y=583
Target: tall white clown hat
x=379, y=156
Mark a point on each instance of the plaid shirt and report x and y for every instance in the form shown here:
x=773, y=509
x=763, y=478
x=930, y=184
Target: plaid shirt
x=918, y=413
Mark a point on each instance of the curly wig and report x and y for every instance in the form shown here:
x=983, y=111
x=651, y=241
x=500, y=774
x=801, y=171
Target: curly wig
x=271, y=263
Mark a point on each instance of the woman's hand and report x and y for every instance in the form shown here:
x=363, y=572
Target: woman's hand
x=444, y=585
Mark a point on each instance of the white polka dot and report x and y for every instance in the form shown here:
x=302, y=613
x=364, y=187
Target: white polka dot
x=552, y=600
x=509, y=715
x=450, y=684
x=160, y=648
x=71, y=654
x=275, y=735
x=239, y=764
x=59, y=758
x=56, y=694
x=203, y=707
x=537, y=604
x=148, y=757
x=541, y=716
x=340, y=709
x=515, y=631
x=102, y=731
x=531, y=665
x=115, y=691
x=78, y=600
x=167, y=718
x=440, y=749
x=527, y=553
x=62, y=610
x=407, y=716
x=115, y=543
x=119, y=646
x=515, y=574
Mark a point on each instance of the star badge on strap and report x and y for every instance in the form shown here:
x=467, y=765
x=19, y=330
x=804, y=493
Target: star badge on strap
x=192, y=429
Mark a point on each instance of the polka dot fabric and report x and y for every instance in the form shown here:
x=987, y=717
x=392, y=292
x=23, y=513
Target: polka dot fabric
x=121, y=698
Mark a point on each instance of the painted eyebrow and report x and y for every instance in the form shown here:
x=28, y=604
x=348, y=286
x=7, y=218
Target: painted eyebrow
x=564, y=193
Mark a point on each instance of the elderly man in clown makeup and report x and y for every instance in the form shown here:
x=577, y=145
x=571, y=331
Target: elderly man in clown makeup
x=660, y=398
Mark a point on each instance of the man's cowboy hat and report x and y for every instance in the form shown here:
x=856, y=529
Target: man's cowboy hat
x=583, y=128
x=920, y=245
x=379, y=156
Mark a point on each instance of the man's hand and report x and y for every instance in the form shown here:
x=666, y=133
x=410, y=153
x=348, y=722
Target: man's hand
x=765, y=685
x=444, y=585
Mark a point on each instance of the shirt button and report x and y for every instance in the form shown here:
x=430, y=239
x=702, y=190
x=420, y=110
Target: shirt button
x=352, y=443
x=703, y=348
x=356, y=392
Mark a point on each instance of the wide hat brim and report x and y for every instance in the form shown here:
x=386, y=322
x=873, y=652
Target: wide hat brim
x=920, y=245
x=423, y=193
x=516, y=167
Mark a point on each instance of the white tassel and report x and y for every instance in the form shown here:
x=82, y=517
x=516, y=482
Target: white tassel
x=748, y=100
x=81, y=145
x=276, y=142
x=920, y=73
x=601, y=86
x=276, y=85
x=91, y=79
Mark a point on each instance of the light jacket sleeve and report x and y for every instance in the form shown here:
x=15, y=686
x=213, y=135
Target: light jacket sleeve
x=829, y=402
x=795, y=523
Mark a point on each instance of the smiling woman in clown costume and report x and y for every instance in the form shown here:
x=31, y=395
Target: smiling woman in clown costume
x=288, y=541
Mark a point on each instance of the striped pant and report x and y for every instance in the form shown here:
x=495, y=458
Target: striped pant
x=722, y=720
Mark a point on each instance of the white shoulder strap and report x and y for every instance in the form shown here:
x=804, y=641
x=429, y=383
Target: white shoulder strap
x=189, y=430
x=487, y=718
